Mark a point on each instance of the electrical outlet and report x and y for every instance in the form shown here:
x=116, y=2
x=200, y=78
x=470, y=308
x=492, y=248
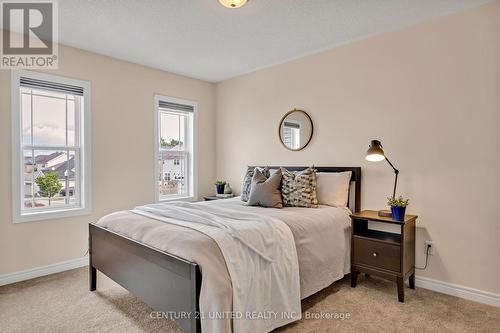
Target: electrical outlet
x=431, y=250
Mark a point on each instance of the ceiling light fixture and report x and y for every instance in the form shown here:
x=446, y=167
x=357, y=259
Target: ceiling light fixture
x=232, y=3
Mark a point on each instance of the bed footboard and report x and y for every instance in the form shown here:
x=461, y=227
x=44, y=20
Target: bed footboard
x=165, y=282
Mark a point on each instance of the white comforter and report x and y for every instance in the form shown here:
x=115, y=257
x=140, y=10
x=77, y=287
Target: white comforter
x=260, y=256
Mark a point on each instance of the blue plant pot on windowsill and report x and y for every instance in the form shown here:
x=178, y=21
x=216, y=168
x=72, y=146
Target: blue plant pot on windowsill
x=398, y=213
x=220, y=188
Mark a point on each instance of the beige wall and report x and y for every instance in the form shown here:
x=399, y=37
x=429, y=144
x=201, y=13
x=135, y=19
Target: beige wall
x=122, y=153
x=431, y=93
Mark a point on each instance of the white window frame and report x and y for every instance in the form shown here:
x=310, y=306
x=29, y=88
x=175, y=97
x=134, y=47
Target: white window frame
x=85, y=177
x=192, y=180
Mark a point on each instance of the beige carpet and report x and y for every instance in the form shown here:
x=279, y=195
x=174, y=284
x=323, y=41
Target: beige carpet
x=62, y=303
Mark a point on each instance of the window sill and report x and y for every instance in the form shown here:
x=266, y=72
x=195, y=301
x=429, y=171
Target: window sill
x=187, y=198
x=51, y=215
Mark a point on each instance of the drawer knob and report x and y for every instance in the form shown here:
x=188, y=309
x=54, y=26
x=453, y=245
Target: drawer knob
x=374, y=254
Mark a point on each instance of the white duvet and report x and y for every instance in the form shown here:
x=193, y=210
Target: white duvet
x=260, y=256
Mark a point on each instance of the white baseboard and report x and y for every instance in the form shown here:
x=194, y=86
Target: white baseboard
x=42, y=271
x=420, y=281
x=472, y=294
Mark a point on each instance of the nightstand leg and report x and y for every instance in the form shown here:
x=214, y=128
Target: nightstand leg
x=411, y=281
x=354, y=277
x=401, y=289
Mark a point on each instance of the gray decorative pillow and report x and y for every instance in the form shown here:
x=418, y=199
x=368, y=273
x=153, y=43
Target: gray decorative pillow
x=265, y=191
x=247, y=181
x=299, y=188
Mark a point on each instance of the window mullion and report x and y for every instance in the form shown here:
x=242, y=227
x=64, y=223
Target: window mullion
x=66, y=174
x=51, y=147
x=180, y=155
x=31, y=120
x=32, y=154
x=78, y=114
x=187, y=162
x=66, y=120
x=33, y=163
x=78, y=176
x=78, y=180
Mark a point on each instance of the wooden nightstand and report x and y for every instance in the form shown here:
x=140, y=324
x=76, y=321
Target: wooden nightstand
x=385, y=254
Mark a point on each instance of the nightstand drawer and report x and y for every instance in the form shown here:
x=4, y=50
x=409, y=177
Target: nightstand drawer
x=376, y=254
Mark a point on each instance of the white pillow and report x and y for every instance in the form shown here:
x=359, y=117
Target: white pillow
x=333, y=188
x=272, y=171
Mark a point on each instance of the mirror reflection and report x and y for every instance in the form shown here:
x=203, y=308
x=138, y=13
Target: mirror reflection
x=296, y=130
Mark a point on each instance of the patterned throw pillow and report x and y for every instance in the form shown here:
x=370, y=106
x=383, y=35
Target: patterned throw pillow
x=299, y=188
x=246, y=186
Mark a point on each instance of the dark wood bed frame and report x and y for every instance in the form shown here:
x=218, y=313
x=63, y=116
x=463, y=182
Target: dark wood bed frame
x=166, y=282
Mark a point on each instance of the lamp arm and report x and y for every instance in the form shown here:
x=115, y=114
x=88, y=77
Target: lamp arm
x=395, y=184
x=396, y=171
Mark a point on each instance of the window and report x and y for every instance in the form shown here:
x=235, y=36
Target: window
x=51, y=142
x=175, y=149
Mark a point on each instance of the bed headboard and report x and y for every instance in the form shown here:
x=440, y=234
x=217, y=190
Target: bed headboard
x=354, y=190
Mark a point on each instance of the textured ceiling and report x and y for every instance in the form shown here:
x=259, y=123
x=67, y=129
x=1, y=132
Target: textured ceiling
x=202, y=39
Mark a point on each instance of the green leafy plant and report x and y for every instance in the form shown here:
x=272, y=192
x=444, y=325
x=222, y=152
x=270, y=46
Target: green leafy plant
x=169, y=144
x=397, y=202
x=49, y=185
x=220, y=182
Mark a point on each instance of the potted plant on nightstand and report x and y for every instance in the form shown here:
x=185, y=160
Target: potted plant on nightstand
x=220, y=185
x=398, y=207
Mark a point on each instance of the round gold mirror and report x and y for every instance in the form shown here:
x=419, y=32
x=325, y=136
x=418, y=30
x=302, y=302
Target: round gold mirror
x=296, y=130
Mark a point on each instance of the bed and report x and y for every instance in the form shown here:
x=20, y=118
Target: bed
x=145, y=256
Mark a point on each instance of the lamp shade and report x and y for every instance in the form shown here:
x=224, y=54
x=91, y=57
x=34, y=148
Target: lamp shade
x=375, y=153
